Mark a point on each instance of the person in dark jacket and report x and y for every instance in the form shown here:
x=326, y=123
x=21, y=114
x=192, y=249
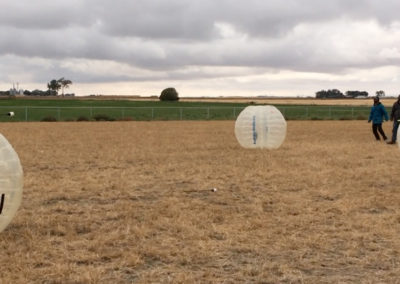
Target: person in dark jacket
x=378, y=112
x=395, y=117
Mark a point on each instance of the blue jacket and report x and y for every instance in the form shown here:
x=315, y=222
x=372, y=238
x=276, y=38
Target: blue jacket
x=377, y=113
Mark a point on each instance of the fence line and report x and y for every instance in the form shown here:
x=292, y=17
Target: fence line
x=61, y=113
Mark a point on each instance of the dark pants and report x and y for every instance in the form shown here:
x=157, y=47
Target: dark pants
x=394, y=131
x=378, y=127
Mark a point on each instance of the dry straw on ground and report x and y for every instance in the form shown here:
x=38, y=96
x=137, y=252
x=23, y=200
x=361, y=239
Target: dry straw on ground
x=131, y=202
x=388, y=101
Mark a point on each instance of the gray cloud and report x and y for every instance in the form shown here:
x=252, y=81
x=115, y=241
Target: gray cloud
x=183, y=40
x=43, y=14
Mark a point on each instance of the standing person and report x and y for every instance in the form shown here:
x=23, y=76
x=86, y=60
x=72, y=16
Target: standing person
x=378, y=112
x=395, y=117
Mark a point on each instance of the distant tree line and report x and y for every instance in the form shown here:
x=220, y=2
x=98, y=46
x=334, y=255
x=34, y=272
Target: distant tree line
x=40, y=93
x=52, y=89
x=336, y=94
x=329, y=94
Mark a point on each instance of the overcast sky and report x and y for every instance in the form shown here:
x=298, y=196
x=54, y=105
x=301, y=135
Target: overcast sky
x=202, y=47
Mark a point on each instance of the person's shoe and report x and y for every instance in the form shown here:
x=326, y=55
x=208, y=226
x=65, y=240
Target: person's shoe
x=391, y=142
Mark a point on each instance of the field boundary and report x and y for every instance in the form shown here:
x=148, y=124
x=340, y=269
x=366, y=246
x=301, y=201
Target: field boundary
x=148, y=113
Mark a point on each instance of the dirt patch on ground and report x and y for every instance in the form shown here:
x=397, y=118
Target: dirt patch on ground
x=131, y=202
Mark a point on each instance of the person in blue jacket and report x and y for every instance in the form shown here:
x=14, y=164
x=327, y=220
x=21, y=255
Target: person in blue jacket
x=378, y=112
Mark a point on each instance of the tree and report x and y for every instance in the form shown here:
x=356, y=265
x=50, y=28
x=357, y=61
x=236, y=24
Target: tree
x=169, y=94
x=380, y=93
x=356, y=94
x=331, y=94
x=64, y=84
x=54, y=85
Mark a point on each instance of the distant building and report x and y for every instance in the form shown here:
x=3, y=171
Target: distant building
x=16, y=91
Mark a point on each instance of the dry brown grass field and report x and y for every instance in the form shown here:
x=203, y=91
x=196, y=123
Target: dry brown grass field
x=388, y=102
x=130, y=202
